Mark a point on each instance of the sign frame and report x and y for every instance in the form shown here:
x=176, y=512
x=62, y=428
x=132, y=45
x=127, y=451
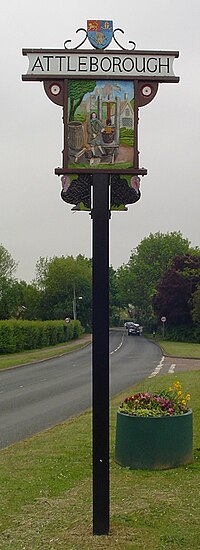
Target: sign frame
x=48, y=54
x=60, y=80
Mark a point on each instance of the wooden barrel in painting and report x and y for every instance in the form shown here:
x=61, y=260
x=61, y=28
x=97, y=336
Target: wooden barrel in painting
x=108, y=134
x=76, y=136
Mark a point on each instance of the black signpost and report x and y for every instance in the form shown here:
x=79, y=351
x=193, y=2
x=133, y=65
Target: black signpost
x=100, y=376
x=101, y=95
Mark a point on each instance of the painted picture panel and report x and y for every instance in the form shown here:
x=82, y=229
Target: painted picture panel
x=100, y=124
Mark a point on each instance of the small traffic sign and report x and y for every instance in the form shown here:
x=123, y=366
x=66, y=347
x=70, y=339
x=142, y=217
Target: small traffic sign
x=163, y=319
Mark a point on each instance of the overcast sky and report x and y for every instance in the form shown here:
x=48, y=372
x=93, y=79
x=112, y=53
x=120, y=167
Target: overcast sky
x=34, y=221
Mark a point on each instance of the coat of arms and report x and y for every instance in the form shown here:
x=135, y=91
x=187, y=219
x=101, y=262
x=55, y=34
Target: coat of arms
x=100, y=33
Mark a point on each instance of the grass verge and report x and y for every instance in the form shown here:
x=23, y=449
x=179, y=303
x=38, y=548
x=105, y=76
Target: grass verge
x=179, y=349
x=15, y=359
x=46, y=501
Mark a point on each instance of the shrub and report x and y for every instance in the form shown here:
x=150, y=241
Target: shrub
x=183, y=333
x=23, y=335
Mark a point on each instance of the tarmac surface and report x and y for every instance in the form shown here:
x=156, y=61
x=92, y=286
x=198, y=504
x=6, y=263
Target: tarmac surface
x=181, y=363
x=174, y=365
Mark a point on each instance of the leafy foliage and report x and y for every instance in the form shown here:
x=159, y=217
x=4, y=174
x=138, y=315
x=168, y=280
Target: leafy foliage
x=23, y=335
x=76, y=92
x=174, y=294
x=139, y=279
x=114, y=310
x=195, y=302
x=7, y=265
x=126, y=136
x=59, y=279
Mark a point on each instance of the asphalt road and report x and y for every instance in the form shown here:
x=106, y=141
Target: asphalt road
x=40, y=395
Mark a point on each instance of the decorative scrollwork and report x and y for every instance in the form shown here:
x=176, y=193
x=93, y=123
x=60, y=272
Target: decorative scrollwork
x=122, y=47
x=113, y=36
x=81, y=43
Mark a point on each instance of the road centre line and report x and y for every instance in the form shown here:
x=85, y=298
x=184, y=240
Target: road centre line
x=120, y=345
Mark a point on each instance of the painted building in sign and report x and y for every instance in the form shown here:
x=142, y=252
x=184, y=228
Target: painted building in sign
x=126, y=113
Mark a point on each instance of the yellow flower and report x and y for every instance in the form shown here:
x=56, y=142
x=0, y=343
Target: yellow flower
x=179, y=393
x=187, y=396
x=170, y=388
x=177, y=385
x=183, y=402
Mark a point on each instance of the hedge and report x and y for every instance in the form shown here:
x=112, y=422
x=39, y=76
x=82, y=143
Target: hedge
x=23, y=335
x=182, y=333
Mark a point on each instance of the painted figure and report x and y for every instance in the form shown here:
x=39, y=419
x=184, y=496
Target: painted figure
x=95, y=129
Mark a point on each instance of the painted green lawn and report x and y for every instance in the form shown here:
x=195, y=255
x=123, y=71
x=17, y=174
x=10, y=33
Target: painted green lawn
x=46, y=501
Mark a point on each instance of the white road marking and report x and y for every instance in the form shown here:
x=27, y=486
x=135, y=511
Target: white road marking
x=171, y=368
x=120, y=345
x=157, y=369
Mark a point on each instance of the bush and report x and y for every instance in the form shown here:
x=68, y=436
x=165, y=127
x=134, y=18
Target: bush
x=7, y=338
x=25, y=335
x=183, y=333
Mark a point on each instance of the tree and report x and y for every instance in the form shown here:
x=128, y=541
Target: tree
x=8, y=286
x=114, y=309
x=124, y=285
x=77, y=90
x=10, y=298
x=60, y=279
x=30, y=300
x=176, y=289
x=7, y=265
x=146, y=266
x=196, y=305
x=41, y=272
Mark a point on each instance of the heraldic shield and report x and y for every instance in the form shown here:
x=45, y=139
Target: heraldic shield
x=100, y=33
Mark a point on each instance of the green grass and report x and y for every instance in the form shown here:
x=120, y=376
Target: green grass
x=118, y=165
x=179, y=349
x=46, y=501
x=14, y=359
x=127, y=137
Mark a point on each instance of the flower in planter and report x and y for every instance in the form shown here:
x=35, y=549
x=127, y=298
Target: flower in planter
x=169, y=402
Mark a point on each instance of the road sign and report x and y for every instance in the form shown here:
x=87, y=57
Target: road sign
x=163, y=319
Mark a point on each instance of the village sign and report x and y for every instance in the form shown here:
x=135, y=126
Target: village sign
x=101, y=94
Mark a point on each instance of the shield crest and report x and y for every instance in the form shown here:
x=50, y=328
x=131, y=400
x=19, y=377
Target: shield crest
x=100, y=33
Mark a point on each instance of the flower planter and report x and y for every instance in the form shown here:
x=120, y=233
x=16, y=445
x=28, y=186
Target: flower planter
x=153, y=443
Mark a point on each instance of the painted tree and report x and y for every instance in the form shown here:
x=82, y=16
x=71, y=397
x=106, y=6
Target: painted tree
x=76, y=91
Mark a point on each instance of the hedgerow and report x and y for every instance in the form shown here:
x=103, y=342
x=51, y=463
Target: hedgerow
x=25, y=335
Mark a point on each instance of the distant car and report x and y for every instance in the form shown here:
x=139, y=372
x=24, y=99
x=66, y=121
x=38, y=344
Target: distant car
x=133, y=329
x=128, y=323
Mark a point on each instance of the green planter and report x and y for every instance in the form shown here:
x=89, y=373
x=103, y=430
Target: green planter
x=153, y=443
